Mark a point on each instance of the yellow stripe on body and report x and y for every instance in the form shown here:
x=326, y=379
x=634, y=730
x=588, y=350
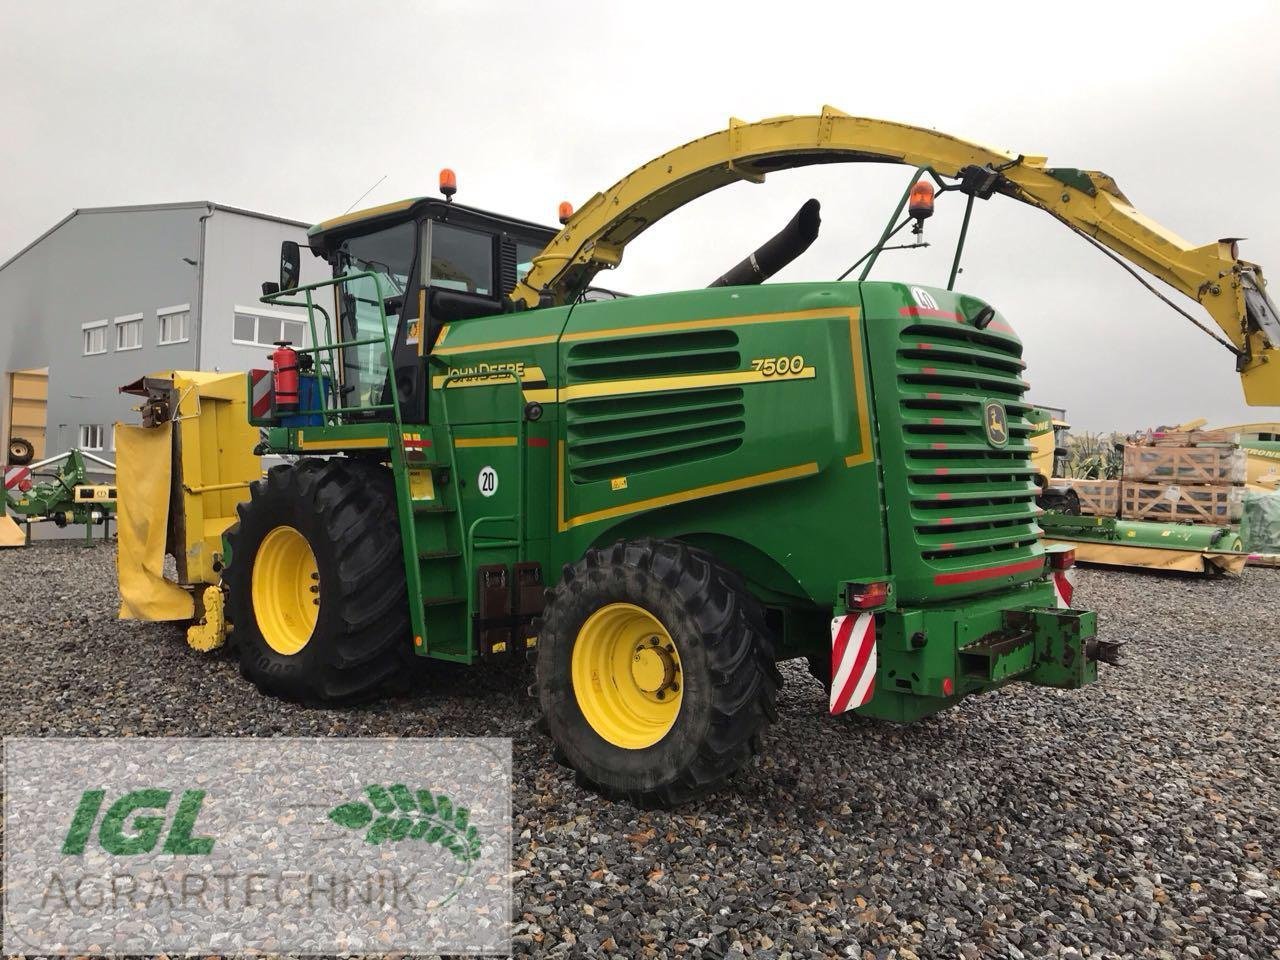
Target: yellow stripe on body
x=695, y=493
x=494, y=345
x=351, y=443
x=867, y=453
x=613, y=388
x=485, y=442
x=780, y=316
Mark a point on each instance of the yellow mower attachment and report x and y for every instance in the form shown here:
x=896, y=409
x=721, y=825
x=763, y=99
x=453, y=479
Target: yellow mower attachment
x=179, y=477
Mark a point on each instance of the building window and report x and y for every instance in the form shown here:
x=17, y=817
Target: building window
x=257, y=330
x=90, y=436
x=174, y=322
x=95, y=337
x=129, y=332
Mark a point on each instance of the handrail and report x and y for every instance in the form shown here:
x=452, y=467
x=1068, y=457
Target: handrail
x=330, y=347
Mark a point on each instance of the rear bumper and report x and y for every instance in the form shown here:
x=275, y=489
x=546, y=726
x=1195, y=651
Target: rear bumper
x=928, y=659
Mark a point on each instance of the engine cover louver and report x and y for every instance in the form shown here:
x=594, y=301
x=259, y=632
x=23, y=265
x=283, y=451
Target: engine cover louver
x=619, y=436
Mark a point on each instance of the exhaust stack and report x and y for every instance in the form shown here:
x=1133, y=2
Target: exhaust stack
x=791, y=241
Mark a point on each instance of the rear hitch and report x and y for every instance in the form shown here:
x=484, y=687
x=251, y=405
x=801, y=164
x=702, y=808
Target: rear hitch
x=1105, y=651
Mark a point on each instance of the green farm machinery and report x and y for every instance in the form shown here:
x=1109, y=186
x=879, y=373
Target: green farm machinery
x=657, y=497
x=56, y=490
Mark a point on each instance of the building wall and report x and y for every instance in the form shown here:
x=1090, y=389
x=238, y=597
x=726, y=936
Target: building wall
x=240, y=253
x=97, y=266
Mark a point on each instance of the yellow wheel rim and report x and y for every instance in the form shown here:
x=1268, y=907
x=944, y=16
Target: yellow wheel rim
x=627, y=676
x=286, y=590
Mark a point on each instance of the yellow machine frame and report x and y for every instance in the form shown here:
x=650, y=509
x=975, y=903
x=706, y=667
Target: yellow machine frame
x=594, y=238
x=180, y=479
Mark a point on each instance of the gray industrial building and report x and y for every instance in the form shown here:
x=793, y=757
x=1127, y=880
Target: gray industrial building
x=112, y=293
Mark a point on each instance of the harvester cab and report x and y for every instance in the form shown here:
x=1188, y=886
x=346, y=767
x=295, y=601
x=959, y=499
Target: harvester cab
x=657, y=497
x=412, y=268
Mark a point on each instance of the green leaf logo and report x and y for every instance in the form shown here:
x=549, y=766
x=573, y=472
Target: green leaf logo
x=394, y=813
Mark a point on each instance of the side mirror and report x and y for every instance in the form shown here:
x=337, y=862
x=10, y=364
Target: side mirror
x=290, y=264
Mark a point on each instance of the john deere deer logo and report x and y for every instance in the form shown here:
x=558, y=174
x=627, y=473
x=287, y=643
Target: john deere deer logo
x=996, y=423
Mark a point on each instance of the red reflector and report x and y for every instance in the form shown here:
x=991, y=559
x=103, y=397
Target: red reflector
x=862, y=596
x=948, y=687
x=1062, y=559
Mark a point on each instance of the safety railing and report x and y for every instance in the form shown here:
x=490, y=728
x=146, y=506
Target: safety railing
x=330, y=387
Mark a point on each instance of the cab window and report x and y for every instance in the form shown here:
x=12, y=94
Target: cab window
x=461, y=259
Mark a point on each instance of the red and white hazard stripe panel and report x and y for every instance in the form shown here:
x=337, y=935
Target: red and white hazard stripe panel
x=15, y=476
x=1064, y=587
x=853, y=661
x=261, y=380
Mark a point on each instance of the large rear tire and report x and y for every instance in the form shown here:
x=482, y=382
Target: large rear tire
x=316, y=588
x=654, y=677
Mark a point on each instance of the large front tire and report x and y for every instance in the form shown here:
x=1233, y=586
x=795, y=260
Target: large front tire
x=316, y=588
x=654, y=677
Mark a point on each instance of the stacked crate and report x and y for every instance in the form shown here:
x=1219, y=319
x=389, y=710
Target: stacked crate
x=1098, y=498
x=1189, y=476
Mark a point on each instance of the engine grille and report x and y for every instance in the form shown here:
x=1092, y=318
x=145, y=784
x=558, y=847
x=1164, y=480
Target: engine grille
x=621, y=436
x=971, y=504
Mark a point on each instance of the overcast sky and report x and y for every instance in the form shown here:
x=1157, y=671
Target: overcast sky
x=297, y=108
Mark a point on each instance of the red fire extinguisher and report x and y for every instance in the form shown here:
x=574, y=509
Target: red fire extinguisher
x=284, y=362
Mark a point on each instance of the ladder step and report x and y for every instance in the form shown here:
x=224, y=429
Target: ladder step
x=438, y=554
x=443, y=601
x=428, y=507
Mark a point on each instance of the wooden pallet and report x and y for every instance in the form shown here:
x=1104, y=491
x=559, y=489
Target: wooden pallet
x=1213, y=505
x=1188, y=438
x=1181, y=465
x=1098, y=498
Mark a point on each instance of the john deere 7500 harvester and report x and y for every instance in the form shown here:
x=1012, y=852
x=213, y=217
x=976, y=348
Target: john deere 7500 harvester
x=660, y=496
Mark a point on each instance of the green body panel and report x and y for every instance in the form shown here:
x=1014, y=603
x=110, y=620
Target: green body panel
x=809, y=435
x=963, y=518
x=979, y=644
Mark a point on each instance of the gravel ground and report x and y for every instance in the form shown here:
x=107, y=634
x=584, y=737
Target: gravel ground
x=1139, y=817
